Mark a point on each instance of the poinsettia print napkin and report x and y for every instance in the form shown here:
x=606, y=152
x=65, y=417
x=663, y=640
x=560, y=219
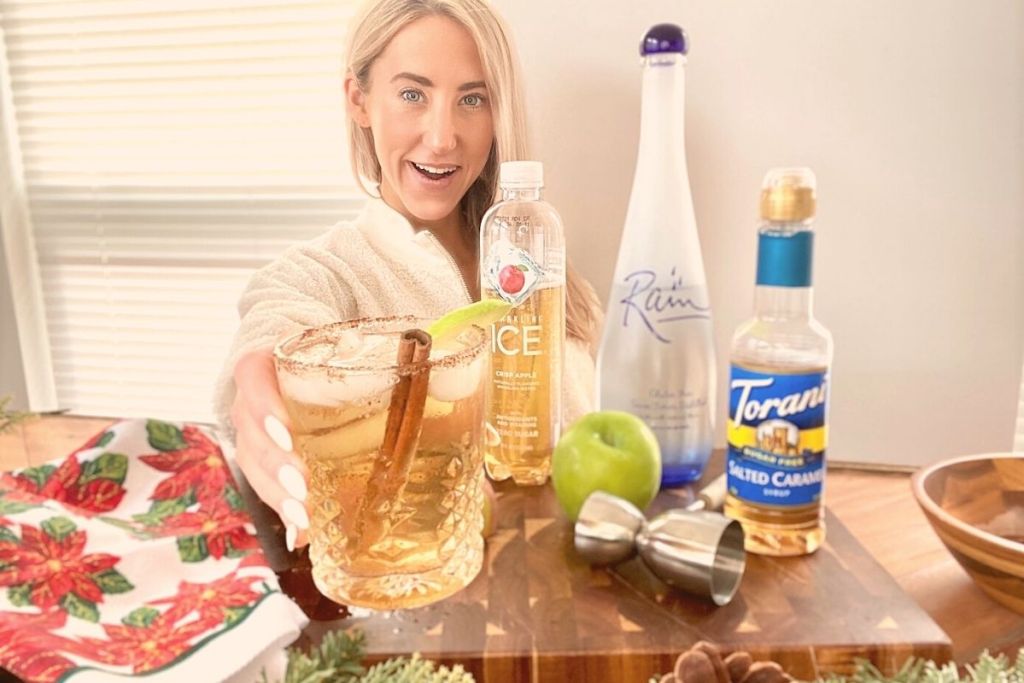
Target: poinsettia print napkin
x=135, y=556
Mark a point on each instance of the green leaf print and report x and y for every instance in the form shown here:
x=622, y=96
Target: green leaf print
x=233, y=498
x=162, y=509
x=232, y=615
x=142, y=617
x=164, y=436
x=8, y=536
x=39, y=475
x=192, y=548
x=113, y=466
x=20, y=596
x=13, y=507
x=107, y=437
x=113, y=581
x=82, y=609
x=58, y=527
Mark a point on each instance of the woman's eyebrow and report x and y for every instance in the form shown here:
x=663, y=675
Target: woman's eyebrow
x=415, y=78
x=427, y=83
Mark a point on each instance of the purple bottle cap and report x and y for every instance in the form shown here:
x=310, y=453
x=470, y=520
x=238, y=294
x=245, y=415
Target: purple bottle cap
x=662, y=38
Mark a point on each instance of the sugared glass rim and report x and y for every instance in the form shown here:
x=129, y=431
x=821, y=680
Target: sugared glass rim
x=386, y=325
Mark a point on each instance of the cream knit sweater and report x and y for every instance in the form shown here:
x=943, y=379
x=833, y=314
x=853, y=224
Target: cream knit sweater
x=376, y=265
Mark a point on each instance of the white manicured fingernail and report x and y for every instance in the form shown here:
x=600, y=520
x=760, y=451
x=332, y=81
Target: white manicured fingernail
x=295, y=513
x=277, y=432
x=291, y=481
x=290, y=534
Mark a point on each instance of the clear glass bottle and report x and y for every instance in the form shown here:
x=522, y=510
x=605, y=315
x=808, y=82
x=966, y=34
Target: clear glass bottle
x=657, y=353
x=779, y=383
x=522, y=248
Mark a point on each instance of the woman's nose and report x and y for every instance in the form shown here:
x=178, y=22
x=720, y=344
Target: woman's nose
x=440, y=135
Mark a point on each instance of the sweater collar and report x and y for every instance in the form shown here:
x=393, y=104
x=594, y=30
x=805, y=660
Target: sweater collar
x=392, y=234
x=380, y=220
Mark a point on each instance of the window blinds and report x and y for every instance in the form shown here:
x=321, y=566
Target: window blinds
x=169, y=148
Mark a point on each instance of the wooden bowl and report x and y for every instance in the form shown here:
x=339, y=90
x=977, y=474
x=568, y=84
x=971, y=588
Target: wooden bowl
x=976, y=506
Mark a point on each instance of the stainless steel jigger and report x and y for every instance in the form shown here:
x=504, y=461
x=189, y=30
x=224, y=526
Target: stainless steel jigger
x=697, y=551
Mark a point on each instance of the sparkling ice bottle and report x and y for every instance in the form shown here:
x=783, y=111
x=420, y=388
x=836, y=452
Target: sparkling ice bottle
x=779, y=383
x=522, y=249
x=657, y=356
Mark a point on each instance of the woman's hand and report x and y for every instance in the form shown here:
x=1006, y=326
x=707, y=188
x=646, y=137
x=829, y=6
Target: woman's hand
x=263, y=444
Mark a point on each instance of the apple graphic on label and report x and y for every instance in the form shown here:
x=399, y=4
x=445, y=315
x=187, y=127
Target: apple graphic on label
x=511, y=279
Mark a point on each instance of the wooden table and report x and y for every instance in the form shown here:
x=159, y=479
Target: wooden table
x=869, y=511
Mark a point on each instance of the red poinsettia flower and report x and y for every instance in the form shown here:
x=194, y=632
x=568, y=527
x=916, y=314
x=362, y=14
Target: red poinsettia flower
x=28, y=644
x=218, y=523
x=145, y=648
x=53, y=568
x=95, y=496
x=12, y=490
x=95, y=440
x=210, y=599
x=199, y=465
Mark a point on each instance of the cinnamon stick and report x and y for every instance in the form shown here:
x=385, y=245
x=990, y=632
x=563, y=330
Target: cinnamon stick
x=401, y=436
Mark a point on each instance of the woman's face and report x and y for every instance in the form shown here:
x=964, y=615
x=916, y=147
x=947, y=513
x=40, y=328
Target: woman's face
x=428, y=108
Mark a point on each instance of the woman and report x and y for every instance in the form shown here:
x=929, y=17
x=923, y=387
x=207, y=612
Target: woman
x=434, y=106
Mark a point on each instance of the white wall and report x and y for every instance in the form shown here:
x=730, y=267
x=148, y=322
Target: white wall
x=912, y=115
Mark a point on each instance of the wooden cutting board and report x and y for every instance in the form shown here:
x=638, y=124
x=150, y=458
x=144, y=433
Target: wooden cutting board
x=539, y=613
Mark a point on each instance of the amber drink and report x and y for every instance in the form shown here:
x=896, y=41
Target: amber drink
x=393, y=449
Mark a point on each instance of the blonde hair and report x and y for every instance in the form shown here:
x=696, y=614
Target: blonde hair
x=374, y=27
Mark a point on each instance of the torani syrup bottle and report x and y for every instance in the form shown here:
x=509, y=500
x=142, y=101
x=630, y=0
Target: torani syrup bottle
x=522, y=249
x=779, y=383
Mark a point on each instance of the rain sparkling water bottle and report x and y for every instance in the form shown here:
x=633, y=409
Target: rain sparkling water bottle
x=657, y=356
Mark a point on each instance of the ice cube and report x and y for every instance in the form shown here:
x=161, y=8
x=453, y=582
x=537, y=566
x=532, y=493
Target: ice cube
x=348, y=344
x=371, y=350
x=456, y=383
x=350, y=350
x=314, y=354
x=361, y=387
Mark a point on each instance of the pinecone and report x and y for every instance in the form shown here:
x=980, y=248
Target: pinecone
x=703, y=663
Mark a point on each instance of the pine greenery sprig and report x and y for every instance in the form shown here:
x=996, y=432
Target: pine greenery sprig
x=339, y=656
x=338, y=660
x=987, y=669
x=8, y=417
x=415, y=670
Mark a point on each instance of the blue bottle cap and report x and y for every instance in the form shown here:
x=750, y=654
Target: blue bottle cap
x=662, y=38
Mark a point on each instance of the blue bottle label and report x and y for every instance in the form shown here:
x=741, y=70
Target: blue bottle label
x=777, y=436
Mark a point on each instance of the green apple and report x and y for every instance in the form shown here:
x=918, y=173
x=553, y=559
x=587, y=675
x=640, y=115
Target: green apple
x=608, y=451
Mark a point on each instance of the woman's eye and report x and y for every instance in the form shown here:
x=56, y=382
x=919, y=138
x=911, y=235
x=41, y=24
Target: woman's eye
x=473, y=100
x=413, y=96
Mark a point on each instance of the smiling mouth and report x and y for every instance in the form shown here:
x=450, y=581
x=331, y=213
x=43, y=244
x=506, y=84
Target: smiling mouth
x=434, y=172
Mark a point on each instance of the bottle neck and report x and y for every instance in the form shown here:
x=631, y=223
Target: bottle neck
x=785, y=252
x=663, y=105
x=783, y=303
x=520, y=194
